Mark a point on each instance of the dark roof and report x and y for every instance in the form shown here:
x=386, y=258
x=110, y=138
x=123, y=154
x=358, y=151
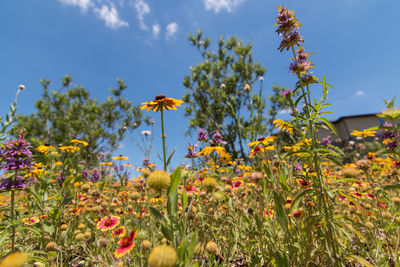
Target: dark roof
x=354, y=116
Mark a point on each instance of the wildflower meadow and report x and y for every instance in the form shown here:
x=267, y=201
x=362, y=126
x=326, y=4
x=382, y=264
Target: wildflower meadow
x=249, y=196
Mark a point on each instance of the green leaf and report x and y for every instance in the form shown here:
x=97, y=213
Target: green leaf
x=330, y=125
x=388, y=187
x=184, y=199
x=360, y=260
x=156, y=213
x=172, y=205
x=281, y=215
x=175, y=179
x=281, y=259
x=170, y=157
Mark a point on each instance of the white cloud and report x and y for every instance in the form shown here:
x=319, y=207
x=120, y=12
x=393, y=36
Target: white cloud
x=172, y=29
x=285, y=111
x=142, y=9
x=82, y=4
x=156, y=30
x=218, y=5
x=360, y=93
x=111, y=17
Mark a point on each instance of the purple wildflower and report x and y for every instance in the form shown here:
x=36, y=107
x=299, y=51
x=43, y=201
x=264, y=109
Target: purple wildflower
x=19, y=183
x=60, y=178
x=16, y=154
x=85, y=173
x=297, y=166
x=326, y=141
x=286, y=93
x=387, y=124
x=146, y=162
x=217, y=138
x=191, y=152
x=202, y=135
x=95, y=176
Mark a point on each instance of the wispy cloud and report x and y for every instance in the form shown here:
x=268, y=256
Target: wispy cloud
x=142, y=9
x=82, y=4
x=285, y=111
x=218, y=5
x=360, y=93
x=171, y=30
x=110, y=16
x=156, y=30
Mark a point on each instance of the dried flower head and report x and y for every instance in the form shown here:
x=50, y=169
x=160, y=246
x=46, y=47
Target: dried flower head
x=162, y=256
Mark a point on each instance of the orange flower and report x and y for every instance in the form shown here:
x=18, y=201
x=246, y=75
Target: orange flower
x=126, y=245
x=108, y=223
x=160, y=103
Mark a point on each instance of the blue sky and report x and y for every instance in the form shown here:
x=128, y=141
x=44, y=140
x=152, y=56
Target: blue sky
x=144, y=42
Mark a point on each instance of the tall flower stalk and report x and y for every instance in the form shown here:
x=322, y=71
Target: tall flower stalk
x=17, y=157
x=307, y=119
x=159, y=104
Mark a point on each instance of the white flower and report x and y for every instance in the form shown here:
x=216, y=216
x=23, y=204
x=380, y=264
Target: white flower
x=247, y=87
x=223, y=86
x=21, y=87
x=261, y=78
x=146, y=133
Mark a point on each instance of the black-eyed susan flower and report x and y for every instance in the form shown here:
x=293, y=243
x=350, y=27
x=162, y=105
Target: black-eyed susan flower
x=45, y=148
x=120, y=157
x=126, y=244
x=69, y=148
x=262, y=141
x=160, y=103
x=108, y=223
x=284, y=126
x=363, y=133
x=209, y=149
x=162, y=256
x=80, y=142
x=108, y=163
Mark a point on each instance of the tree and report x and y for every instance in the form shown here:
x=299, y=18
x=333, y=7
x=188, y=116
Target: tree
x=73, y=114
x=219, y=94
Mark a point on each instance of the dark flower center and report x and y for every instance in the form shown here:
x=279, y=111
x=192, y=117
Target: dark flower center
x=160, y=97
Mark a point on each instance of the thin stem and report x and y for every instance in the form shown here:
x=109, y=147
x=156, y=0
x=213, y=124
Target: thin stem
x=163, y=138
x=12, y=219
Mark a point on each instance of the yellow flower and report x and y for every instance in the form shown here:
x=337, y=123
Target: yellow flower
x=16, y=259
x=107, y=163
x=157, y=199
x=263, y=141
x=363, y=133
x=283, y=126
x=160, y=103
x=45, y=149
x=120, y=157
x=209, y=149
x=69, y=148
x=77, y=141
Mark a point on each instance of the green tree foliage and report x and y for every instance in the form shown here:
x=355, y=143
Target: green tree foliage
x=219, y=94
x=70, y=113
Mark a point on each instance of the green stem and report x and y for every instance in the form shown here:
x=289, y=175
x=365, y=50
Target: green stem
x=12, y=219
x=327, y=209
x=163, y=138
